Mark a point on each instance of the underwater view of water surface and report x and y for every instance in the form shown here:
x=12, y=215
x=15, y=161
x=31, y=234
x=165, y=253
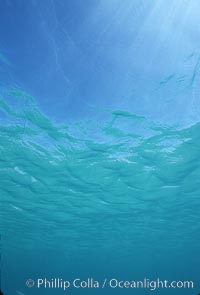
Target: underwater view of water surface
x=100, y=147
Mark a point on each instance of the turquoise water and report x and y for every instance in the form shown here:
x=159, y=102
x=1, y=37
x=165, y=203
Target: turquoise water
x=118, y=197
x=99, y=146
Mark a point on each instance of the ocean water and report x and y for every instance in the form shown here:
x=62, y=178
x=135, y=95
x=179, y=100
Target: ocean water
x=116, y=199
x=99, y=146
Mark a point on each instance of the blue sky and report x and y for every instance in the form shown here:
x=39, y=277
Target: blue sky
x=135, y=55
